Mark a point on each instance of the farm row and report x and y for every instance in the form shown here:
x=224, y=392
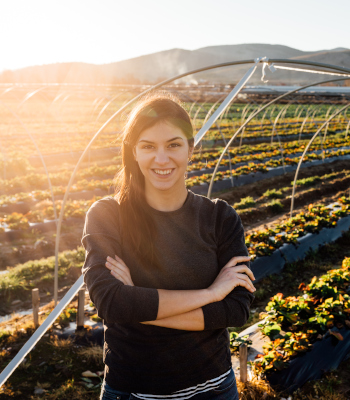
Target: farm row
x=25, y=171
x=23, y=147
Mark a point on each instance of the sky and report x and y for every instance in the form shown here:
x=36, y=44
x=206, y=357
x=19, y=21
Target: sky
x=36, y=32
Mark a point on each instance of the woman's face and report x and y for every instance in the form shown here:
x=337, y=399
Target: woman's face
x=162, y=153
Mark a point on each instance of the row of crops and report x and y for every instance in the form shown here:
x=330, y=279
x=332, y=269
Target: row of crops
x=291, y=324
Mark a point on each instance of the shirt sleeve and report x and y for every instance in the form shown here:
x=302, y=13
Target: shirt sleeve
x=114, y=301
x=233, y=310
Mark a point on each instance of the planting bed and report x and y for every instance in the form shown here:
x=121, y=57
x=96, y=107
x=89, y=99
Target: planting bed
x=301, y=337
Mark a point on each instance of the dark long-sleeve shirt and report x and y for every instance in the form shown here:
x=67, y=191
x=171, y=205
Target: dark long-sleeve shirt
x=194, y=243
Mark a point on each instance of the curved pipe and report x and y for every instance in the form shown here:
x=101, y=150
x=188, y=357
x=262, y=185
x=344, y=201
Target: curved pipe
x=219, y=129
x=39, y=153
x=79, y=283
x=252, y=116
x=28, y=96
x=111, y=118
x=306, y=149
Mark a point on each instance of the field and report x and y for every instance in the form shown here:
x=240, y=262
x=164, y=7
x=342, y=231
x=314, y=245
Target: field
x=43, y=133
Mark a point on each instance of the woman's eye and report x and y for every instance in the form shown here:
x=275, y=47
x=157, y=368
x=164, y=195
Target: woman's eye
x=175, y=144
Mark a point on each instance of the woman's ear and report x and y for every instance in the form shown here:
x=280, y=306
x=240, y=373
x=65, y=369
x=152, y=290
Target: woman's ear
x=134, y=153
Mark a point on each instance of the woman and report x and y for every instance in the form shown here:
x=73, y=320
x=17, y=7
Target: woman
x=161, y=268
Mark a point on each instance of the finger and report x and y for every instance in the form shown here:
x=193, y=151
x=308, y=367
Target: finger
x=244, y=268
x=245, y=278
x=118, y=268
x=120, y=260
x=117, y=276
x=238, y=259
x=118, y=264
x=244, y=283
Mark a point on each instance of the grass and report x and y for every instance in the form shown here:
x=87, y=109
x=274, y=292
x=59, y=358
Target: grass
x=16, y=284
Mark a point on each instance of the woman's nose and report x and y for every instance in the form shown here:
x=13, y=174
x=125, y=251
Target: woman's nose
x=161, y=157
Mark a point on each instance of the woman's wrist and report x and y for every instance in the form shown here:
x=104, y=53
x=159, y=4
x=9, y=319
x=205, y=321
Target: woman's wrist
x=210, y=295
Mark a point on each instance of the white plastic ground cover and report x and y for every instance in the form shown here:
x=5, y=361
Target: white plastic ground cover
x=289, y=252
x=258, y=176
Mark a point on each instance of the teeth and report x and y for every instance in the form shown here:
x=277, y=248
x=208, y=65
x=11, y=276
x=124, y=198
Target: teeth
x=160, y=172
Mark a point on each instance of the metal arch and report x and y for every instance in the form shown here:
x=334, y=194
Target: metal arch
x=7, y=90
x=39, y=153
x=198, y=137
x=285, y=111
x=301, y=112
x=198, y=110
x=263, y=118
x=96, y=105
x=78, y=284
x=276, y=120
x=327, y=127
x=59, y=118
x=348, y=125
x=219, y=129
x=222, y=135
x=296, y=110
x=212, y=108
x=244, y=113
x=347, y=130
x=303, y=124
x=304, y=152
x=250, y=117
x=329, y=110
x=31, y=94
x=58, y=96
x=278, y=136
x=106, y=106
x=225, y=114
x=272, y=111
x=3, y=151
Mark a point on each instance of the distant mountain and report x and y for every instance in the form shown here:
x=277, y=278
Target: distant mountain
x=152, y=68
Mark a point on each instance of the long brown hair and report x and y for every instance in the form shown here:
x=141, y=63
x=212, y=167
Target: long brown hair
x=138, y=227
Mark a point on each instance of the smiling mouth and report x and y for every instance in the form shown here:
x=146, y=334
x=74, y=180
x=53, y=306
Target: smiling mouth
x=163, y=172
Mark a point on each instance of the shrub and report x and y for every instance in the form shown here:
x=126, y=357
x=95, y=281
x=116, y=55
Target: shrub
x=276, y=206
x=246, y=202
x=273, y=194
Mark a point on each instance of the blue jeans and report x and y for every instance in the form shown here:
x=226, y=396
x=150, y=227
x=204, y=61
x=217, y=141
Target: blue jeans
x=227, y=390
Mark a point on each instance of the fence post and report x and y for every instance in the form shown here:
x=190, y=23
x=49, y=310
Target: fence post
x=35, y=305
x=243, y=358
x=80, y=313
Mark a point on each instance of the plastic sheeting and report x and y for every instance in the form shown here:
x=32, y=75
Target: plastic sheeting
x=326, y=354
x=289, y=252
x=258, y=176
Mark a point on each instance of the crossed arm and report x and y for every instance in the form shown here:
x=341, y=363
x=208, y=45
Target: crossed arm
x=192, y=320
x=141, y=304
x=196, y=319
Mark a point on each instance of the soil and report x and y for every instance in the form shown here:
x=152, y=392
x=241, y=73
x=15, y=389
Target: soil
x=324, y=192
x=40, y=245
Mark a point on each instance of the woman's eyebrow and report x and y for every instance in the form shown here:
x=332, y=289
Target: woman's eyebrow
x=170, y=140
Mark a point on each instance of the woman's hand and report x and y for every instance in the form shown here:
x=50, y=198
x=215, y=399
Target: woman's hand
x=231, y=276
x=119, y=270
